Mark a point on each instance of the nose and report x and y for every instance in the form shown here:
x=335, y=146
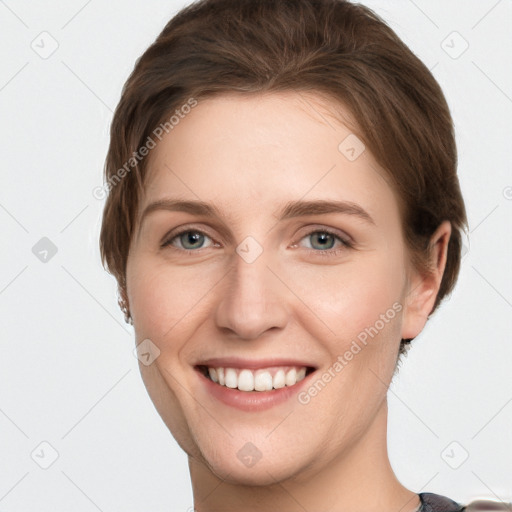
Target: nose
x=253, y=299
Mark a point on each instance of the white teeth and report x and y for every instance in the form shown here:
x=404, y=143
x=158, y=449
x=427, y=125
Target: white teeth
x=246, y=380
x=231, y=378
x=291, y=377
x=279, y=380
x=263, y=381
x=258, y=380
x=220, y=376
x=213, y=374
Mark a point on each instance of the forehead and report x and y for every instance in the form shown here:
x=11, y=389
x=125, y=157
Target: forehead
x=258, y=151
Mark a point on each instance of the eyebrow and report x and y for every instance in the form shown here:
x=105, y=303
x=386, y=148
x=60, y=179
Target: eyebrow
x=290, y=210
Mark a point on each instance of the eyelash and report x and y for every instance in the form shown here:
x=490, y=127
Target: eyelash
x=346, y=244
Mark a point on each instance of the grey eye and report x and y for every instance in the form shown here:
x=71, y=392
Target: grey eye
x=324, y=240
x=192, y=239
x=189, y=240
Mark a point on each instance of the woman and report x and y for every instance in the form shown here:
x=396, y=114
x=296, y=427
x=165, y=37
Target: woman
x=283, y=217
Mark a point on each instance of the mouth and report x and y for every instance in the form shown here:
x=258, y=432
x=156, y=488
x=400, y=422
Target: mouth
x=254, y=381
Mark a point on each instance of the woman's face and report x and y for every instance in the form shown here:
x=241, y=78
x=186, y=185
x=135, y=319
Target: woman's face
x=271, y=278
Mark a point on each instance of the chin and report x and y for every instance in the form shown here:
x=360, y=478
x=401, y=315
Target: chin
x=263, y=473
x=239, y=462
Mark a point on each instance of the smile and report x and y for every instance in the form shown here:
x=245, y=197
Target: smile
x=264, y=379
x=257, y=388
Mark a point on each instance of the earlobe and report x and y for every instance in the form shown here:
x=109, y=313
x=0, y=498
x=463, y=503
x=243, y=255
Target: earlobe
x=422, y=289
x=124, y=305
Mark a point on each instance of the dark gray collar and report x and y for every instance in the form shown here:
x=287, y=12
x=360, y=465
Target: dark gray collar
x=431, y=502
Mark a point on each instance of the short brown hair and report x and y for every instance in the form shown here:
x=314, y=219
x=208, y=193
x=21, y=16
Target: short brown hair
x=335, y=48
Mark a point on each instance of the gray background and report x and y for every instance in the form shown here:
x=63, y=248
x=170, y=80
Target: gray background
x=69, y=378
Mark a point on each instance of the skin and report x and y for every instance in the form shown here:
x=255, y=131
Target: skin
x=248, y=156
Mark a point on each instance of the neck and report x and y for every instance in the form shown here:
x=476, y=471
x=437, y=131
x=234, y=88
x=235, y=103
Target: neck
x=358, y=480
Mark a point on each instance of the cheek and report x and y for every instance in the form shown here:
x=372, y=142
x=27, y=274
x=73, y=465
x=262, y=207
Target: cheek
x=164, y=300
x=361, y=305
x=354, y=298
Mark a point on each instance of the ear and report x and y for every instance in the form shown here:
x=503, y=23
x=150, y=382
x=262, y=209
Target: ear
x=123, y=303
x=421, y=291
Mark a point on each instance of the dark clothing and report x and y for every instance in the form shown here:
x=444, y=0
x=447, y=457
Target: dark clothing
x=431, y=502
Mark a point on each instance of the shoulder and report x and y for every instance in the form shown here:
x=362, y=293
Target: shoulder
x=431, y=502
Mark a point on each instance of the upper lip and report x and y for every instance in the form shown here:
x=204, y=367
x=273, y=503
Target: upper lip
x=254, y=364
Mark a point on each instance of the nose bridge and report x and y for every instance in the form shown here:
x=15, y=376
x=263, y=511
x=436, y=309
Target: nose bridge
x=253, y=299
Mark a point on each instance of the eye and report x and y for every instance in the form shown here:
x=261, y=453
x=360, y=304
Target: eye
x=320, y=241
x=188, y=240
x=323, y=242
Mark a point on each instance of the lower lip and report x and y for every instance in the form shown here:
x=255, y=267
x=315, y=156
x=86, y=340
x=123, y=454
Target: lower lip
x=252, y=400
